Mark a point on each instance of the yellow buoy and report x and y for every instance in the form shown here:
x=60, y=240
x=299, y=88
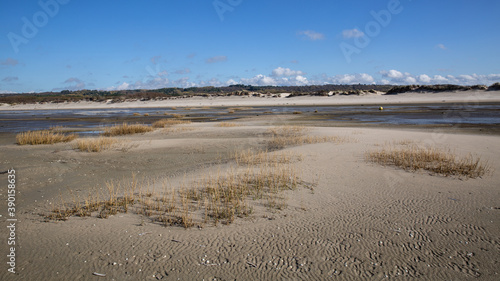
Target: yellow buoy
x=380, y=108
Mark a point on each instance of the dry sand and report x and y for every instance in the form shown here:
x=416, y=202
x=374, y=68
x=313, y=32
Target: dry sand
x=360, y=221
x=471, y=97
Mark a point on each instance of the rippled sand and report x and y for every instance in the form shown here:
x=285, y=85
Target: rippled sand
x=351, y=220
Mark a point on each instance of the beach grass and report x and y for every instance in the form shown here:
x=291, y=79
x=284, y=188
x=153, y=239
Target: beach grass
x=227, y=124
x=284, y=136
x=437, y=161
x=162, y=123
x=126, y=129
x=95, y=144
x=43, y=137
x=219, y=197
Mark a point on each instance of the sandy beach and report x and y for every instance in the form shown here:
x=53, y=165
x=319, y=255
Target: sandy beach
x=470, y=97
x=347, y=219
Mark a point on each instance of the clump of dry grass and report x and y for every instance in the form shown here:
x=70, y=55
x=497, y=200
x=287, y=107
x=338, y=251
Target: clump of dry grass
x=287, y=131
x=227, y=196
x=95, y=144
x=126, y=129
x=296, y=135
x=169, y=122
x=175, y=115
x=43, y=137
x=250, y=157
x=118, y=199
x=227, y=124
x=413, y=158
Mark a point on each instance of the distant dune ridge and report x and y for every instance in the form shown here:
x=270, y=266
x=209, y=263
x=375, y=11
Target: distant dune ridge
x=440, y=88
x=233, y=90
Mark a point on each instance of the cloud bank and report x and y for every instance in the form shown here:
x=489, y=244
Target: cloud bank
x=282, y=76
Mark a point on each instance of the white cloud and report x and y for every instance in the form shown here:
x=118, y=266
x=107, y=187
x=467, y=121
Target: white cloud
x=259, y=80
x=231, y=82
x=393, y=74
x=358, y=78
x=123, y=86
x=183, y=71
x=287, y=77
x=410, y=80
x=154, y=83
x=424, y=79
x=280, y=71
x=493, y=77
x=163, y=73
x=216, y=59
x=400, y=78
x=468, y=78
x=441, y=46
x=352, y=33
x=300, y=80
x=438, y=79
x=211, y=82
x=279, y=77
x=183, y=83
x=77, y=84
x=312, y=35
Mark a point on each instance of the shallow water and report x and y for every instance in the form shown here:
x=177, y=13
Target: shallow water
x=91, y=119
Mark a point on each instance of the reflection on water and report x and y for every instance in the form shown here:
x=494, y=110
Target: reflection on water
x=88, y=119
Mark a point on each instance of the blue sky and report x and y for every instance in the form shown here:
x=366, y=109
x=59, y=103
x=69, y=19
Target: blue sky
x=52, y=45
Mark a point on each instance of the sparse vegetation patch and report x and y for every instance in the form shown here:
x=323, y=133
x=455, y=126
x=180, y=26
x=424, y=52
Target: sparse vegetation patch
x=219, y=198
x=227, y=124
x=43, y=137
x=284, y=136
x=169, y=122
x=413, y=158
x=95, y=144
x=126, y=129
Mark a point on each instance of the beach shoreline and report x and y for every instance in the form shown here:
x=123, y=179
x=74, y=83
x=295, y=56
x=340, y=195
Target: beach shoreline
x=467, y=97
